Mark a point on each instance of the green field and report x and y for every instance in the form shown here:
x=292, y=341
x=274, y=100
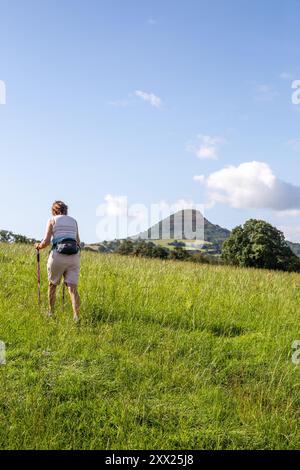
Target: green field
x=169, y=355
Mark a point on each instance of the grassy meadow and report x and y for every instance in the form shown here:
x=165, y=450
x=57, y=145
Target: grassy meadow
x=168, y=355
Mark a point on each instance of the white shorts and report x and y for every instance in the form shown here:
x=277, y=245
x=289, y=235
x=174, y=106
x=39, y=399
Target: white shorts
x=59, y=265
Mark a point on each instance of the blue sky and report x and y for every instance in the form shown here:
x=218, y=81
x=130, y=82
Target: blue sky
x=136, y=98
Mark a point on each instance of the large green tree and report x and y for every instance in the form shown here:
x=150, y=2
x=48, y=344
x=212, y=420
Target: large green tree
x=259, y=244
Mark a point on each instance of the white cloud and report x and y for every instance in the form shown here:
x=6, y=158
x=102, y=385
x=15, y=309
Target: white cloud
x=206, y=147
x=113, y=206
x=152, y=21
x=251, y=185
x=289, y=213
x=117, y=206
x=291, y=232
x=265, y=93
x=149, y=97
x=118, y=219
x=199, y=178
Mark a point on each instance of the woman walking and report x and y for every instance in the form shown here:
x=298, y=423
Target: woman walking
x=64, y=258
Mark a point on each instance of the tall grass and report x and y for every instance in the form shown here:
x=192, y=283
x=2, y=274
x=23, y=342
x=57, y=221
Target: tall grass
x=168, y=355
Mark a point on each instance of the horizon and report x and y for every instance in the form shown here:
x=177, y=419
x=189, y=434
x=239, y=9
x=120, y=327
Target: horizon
x=145, y=102
x=134, y=235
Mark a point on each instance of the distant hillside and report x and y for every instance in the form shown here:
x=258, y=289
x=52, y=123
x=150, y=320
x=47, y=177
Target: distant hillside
x=186, y=224
x=183, y=225
x=176, y=226
x=295, y=247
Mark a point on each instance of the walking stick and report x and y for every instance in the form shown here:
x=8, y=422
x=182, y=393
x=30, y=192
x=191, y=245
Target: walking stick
x=38, y=272
x=63, y=296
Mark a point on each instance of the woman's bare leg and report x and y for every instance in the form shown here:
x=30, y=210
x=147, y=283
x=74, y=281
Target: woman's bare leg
x=75, y=299
x=51, y=297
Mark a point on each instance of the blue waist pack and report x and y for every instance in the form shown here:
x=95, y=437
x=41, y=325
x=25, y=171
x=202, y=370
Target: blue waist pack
x=68, y=246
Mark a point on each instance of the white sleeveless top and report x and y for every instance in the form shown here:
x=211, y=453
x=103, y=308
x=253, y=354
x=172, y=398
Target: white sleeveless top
x=64, y=226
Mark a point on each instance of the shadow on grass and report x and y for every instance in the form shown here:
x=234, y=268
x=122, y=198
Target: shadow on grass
x=219, y=329
x=228, y=330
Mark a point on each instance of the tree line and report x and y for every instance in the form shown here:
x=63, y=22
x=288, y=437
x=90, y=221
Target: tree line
x=148, y=249
x=10, y=237
x=256, y=244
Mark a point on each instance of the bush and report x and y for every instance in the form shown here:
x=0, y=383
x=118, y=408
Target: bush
x=179, y=254
x=125, y=248
x=143, y=248
x=200, y=258
x=160, y=252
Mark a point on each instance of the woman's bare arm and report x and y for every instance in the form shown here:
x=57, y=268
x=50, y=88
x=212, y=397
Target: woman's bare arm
x=47, y=237
x=77, y=237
